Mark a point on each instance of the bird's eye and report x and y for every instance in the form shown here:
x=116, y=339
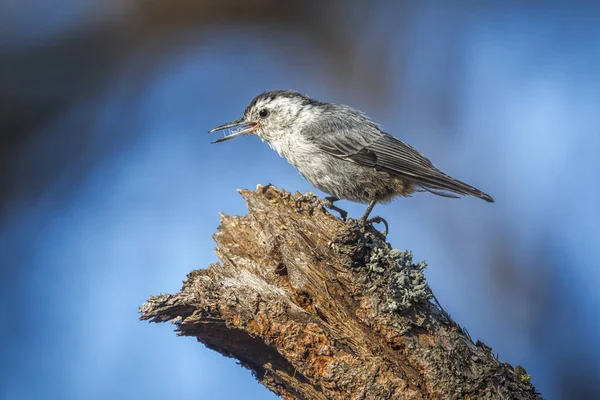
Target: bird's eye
x=264, y=113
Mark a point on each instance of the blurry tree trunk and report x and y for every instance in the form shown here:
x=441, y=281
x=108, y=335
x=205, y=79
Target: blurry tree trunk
x=315, y=320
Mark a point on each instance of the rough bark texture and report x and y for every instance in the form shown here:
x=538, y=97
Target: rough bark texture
x=312, y=320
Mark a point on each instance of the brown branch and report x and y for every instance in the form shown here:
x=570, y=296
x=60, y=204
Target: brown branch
x=311, y=320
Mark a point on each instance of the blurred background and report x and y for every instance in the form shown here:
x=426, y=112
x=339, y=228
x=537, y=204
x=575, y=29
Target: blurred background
x=110, y=191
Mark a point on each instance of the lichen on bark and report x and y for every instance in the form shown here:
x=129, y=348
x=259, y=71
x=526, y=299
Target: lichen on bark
x=405, y=281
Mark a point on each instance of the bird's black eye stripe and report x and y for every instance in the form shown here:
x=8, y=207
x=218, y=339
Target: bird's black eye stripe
x=263, y=113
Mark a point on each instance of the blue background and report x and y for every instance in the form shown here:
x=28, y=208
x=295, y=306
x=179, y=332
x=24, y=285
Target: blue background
x=114, y=195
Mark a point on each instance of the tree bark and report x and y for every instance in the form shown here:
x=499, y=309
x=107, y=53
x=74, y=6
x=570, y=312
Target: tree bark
x=316, y=319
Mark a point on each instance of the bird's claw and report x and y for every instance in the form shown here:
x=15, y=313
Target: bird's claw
x=315, y=202
x=379, y=220
x=356, y=229
x=362, y=223
x=328, y=202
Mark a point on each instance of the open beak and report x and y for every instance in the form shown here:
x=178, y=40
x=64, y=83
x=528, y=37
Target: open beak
x=240, y=128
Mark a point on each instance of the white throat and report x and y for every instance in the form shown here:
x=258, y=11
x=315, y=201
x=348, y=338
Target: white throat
x=280, y=145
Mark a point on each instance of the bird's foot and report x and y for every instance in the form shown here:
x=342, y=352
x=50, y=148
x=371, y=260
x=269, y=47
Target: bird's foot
x=379, y=220
x=308, y=202
x=357, y=229
x=362, y=223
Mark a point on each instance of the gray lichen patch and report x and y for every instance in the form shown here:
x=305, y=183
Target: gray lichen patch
x=379, y=260
x=404, y=281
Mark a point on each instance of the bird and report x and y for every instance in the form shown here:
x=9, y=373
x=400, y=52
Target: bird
x=342, y=152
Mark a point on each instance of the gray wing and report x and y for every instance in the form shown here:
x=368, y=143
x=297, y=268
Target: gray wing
x=349, y=135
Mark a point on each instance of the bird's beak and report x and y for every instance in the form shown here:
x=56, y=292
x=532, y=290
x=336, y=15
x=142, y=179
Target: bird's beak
x=241, y=128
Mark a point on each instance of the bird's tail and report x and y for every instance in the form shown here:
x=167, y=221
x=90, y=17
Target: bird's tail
x=440, y=184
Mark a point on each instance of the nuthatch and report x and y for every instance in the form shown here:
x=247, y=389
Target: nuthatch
x=342, y=152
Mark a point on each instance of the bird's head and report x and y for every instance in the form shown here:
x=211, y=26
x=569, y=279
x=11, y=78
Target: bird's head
x=270, y=115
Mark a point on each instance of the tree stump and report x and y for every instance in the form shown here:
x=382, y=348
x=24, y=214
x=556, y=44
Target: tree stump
x=314, y=318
